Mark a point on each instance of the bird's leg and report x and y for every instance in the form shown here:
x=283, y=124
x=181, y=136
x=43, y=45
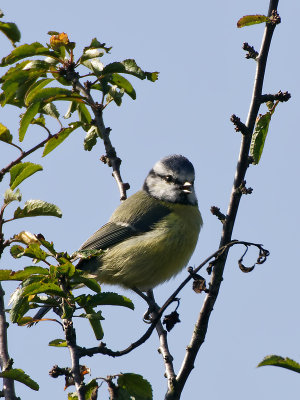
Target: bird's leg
x=149, y=298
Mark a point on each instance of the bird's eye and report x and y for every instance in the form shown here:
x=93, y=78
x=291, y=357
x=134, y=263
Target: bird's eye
x=168, y=178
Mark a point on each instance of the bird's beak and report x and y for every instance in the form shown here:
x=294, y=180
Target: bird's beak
x=187, y=187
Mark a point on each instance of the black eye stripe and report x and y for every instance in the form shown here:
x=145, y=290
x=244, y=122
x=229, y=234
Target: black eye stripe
x=169, y=179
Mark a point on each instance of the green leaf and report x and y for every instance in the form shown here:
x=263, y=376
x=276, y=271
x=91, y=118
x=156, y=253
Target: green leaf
x=27, y=119
x=95, y=315
x=27, y=50
x=36, y=87
x=34, y=208
x=90, y=139
x=152, y=76
x=18, y=80
x=39, y=287
x=66, y=269
x=91, y=390
x=89, y=54
x=123, y=83
x=33, y=250
x=95, y=322
x=5, y=135
x=16, y=251
x=129, y=66
x=95, y=65
x=22, y=171
x=71, y=109
x=12, y=71
x=49, y=245
x=51, y=110
x=60, y=137
x=9, y=275
x=20, y=306
x=115, y=95
x=20, y=376
x=124, y=395
x=39, y=121
x=259, y=136
x=83, y=113
x=58, y=343
x=9, y=91
x=10, y=196
x=52, y=94
x=251, y=20
x=279, y=361
x=136, y=386
x=105, y=298
x=11, y=31
x=49, y=301
x=91, y=283
x=95, y=44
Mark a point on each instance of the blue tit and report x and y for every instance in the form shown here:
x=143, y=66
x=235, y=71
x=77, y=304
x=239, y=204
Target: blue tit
x=151, y=236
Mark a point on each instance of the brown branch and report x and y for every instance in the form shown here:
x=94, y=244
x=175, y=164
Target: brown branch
x=102, y=349
x=74, y=353
x=201, y=326
x=23, y=155
x=111, y=157
x=280, y=96
x=5, y=361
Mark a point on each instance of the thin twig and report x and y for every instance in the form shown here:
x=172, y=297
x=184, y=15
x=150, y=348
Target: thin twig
x=111, y=156
x=22, y=156
x=164, y=347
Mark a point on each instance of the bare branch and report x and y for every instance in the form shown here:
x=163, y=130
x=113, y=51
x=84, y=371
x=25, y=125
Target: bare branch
x=201, y=326
x=239, y=126
x=251, y=52
x=281, y=96
x=111, y=157
x=8, y=384
x=74, y=353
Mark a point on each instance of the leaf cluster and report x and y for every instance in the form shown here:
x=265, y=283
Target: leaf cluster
x=39, y=75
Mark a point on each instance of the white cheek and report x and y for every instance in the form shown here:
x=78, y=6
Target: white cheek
x=157, y=187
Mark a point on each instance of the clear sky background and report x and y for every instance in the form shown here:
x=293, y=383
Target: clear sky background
x=204, y=79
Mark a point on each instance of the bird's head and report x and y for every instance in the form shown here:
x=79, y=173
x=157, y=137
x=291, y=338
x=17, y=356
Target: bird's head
x=172, y=179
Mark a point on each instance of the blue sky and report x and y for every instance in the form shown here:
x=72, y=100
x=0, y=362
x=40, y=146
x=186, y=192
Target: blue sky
x=204, y=79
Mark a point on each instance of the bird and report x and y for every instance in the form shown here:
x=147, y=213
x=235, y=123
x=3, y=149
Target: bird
x=151, y=236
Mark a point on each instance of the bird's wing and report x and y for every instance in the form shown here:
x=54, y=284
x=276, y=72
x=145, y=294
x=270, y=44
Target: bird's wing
x=116, y=231
x=108, y=235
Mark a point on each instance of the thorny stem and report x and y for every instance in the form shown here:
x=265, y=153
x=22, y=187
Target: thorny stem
x=201, y=326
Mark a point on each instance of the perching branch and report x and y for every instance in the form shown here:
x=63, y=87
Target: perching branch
x=201, y=326
x=103, y=349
